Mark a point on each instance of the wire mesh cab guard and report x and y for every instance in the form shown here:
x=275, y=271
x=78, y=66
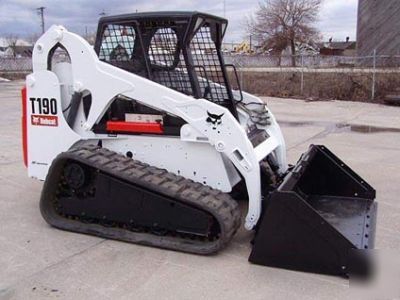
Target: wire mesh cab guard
x=180, y=50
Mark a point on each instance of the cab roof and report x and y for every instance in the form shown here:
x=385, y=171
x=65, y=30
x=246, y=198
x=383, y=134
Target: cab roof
x=143, y=16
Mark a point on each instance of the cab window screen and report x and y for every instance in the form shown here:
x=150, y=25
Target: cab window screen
x=167, y=63
x=163, y=48
x=118, y=43
x=211, y=78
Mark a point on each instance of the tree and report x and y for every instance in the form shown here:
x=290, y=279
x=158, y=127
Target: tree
x=12, y=41
x=282, y=23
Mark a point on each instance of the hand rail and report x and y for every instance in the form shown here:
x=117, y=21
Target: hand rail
x=237, y=80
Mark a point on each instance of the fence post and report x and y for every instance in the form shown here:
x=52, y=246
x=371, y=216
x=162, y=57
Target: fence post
x=373, y=76
x=240, y=64
x=302, y=76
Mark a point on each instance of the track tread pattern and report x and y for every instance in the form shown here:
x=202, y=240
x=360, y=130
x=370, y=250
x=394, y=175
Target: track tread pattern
x=219, y=204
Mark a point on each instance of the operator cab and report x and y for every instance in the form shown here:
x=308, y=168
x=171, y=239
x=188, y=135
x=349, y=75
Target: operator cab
x=180, y=50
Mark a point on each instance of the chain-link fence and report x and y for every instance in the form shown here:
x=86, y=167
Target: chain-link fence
x=313, y=61
x=12, y=64
x=367, y=78
x=9, y=63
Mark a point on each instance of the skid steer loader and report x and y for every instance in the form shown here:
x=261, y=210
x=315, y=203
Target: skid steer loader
x=143, y=139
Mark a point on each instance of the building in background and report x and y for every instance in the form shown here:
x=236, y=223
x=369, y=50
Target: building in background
x=378, y=27
x=3, y=46
x=22, y=48
x=19, y=51
x=347, y=48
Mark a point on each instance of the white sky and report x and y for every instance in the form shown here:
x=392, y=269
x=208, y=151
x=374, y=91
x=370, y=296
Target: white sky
x=338, y=18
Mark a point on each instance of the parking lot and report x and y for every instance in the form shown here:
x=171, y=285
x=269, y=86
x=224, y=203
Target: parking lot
x=38, y=261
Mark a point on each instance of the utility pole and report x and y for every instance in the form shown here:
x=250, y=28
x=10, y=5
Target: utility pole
x=40, y=11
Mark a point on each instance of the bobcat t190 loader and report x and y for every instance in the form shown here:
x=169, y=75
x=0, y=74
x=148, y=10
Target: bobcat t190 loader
x=143, y=139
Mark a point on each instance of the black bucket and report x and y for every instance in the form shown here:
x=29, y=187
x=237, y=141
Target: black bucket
x=320, y=219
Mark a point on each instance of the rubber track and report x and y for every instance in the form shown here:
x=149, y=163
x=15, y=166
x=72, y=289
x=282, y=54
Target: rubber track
x=224, y=209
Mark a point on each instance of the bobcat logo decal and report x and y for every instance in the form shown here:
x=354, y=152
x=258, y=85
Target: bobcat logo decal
x=215, y=120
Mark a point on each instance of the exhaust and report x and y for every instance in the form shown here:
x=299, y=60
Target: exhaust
x=321, y=219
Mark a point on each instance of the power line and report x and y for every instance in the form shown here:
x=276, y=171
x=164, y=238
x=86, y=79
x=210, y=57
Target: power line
x=40, y=11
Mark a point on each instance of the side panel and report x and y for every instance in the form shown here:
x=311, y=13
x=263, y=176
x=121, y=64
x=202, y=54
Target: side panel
x=48, y=134
x=197, y=161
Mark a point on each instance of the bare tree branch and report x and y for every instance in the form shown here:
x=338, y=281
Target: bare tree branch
x=282, y=23
x=12, y=40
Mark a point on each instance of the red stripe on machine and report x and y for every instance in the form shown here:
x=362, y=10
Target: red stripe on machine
x=135, y=127
x=24, y=127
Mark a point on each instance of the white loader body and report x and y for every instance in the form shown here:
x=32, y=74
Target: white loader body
x=214, y=155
